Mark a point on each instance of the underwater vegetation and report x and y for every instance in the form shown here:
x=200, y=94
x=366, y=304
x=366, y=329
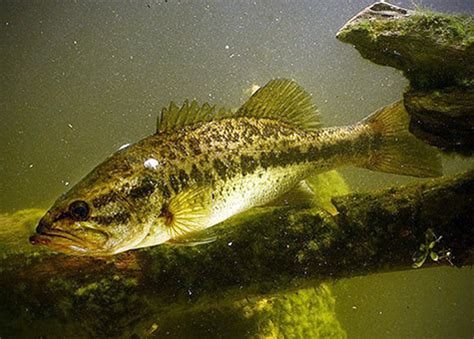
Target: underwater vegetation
x=429, y=249
x=264, y=264
x=266, y=274
x=118, y=296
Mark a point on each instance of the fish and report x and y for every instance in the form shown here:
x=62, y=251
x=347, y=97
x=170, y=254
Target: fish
x=204, y=165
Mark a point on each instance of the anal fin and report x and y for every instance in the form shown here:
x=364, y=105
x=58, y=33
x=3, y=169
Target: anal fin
x=315, y=191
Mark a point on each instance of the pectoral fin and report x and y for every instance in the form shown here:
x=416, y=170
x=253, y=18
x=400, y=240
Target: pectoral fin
x=187, y=213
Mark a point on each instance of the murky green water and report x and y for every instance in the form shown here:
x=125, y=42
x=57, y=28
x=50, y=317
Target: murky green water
x=80, y=79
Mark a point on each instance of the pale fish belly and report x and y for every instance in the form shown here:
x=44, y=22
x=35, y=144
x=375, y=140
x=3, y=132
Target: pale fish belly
x=246, y=191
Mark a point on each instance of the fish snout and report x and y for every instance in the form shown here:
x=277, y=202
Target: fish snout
x=43, y=226
x=39, y=238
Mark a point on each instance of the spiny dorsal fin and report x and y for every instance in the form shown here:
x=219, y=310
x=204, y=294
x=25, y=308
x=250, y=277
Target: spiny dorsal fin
x=280, y=99
x=283, y=100
x=175, y=117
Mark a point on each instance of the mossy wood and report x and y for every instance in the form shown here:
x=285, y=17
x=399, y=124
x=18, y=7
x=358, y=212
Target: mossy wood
x=436, y=53
x=264, y=252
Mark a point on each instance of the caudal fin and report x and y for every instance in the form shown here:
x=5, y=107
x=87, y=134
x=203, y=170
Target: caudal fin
x=398, y=151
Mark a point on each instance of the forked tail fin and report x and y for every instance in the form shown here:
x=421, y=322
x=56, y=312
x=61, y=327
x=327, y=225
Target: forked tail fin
x=398, y=151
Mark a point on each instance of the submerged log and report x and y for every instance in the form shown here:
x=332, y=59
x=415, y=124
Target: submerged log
x=444, y=117
x=436, y=54
x=257, y=255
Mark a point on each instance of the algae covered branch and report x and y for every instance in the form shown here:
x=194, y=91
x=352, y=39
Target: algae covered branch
x=266, y=273
x=436, y=54
x=267, y=252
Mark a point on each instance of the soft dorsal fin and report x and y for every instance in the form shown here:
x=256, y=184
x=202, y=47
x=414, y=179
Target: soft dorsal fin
x=280, y=99
x=283, y=100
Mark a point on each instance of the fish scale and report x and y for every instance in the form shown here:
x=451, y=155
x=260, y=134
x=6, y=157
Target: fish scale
x=294, y=155
x=204, y=165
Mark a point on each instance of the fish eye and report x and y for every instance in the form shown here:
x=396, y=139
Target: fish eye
x=79, y=210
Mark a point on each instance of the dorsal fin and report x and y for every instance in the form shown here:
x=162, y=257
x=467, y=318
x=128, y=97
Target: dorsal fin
x=283, y=100
x=189, y=113
x=280, y=99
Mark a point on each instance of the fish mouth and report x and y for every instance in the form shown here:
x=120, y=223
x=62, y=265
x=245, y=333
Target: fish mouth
x=60, y=240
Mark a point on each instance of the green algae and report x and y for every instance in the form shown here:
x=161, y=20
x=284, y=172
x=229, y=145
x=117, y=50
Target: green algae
x=306, y=313
x=434, y=50
x=122, y=301
x=454, y=30
x=261, y=278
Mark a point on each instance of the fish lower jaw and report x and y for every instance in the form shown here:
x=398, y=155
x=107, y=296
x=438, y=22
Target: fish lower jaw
x=60, y=243
x=39, y=240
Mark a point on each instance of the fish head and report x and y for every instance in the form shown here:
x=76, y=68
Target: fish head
x=90, y=220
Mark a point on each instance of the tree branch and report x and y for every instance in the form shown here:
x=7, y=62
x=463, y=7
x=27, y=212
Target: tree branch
x=435, y=51
x=265, y=251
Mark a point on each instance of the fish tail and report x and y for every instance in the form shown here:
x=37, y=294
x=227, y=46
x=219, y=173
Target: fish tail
x=395, y=149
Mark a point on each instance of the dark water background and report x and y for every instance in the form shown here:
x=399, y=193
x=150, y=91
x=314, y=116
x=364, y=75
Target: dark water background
x=79, y=79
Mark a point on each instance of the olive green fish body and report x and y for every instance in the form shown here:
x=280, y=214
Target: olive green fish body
x=203, y=166
x=245, y=161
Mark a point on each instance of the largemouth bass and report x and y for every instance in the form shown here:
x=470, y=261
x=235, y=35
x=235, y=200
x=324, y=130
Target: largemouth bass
x=205, y=165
